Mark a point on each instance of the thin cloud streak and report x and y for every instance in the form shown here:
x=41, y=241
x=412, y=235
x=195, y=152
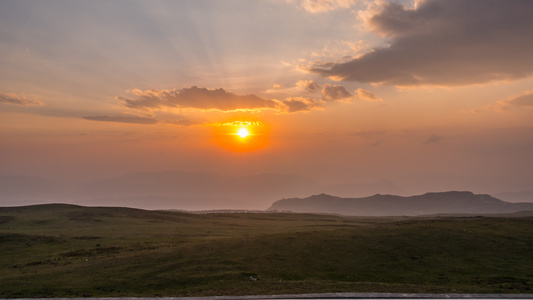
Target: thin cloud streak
x=121, y=119
x=523, y=100
x=14, y=99
x=322, y=6
x=366, y=95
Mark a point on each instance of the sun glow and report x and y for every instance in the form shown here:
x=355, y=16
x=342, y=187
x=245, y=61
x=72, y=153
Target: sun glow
x=240, y=135
x=243, y=133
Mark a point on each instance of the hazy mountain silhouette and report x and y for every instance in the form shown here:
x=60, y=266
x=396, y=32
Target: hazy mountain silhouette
x=390, y=205
x=361, y=189
x=185, y=190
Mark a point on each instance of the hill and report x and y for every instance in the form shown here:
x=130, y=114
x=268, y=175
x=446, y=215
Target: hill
x=390, y=205
x=73, y=251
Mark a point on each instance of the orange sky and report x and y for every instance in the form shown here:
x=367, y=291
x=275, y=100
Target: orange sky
x=431, y=95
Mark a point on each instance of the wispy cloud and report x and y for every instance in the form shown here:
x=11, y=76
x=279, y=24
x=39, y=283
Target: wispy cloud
x=183, y=122
x=298, y=104
x=299, y=88
x=366, y=95
x=321, y=6
x=446, y=43
x=122, y=119
x=240, y=124
x=525, y=99
x=14, y=99
x=433, y=139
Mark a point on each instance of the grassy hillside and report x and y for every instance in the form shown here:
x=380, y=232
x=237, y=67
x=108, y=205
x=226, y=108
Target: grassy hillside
x=71, y=251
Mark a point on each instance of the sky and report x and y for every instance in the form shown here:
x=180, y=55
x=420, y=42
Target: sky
x=431, y=95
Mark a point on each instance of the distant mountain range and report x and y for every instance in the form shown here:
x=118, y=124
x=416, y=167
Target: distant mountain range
x=390, y=205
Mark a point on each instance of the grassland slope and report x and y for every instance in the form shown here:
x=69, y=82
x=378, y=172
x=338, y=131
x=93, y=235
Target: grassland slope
x=72, y=251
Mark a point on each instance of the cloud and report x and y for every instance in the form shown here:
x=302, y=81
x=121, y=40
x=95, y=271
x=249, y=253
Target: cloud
x=433, y=139
x=444, y=43
x=196, y=98
x=298, y=104
x=366, y=95
x=240, y=124
x=335, y=93
x=302, y=86
x=183, y=122
x=367, y=134
x=307, y=85
x=525, y=99
x=12, y=98
x=121, y=119
x=218, y=99
x=320, y=6
x=520, y=101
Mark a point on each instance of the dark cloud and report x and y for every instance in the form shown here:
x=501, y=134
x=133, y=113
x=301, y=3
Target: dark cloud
x=335, y=93
x=433, y=139
x=522, y=100
x=196, y=98
x=368, y=134
x=451, y=42
x=121, y=119
x=12, y=98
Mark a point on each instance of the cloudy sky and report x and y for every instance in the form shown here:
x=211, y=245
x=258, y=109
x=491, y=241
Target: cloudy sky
x=431, y=95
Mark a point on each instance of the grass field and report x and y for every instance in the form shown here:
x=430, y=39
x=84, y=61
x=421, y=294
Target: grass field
x=72, y=251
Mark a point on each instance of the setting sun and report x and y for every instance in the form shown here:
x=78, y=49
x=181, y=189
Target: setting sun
x=240, y=135
x=243, y=132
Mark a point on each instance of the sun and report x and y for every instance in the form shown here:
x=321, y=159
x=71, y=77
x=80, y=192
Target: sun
x=243, y=133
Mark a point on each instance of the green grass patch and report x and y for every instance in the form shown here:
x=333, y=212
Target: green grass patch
x=73, y=251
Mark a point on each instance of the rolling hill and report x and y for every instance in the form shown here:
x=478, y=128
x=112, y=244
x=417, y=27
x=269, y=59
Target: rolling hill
x=67, y=251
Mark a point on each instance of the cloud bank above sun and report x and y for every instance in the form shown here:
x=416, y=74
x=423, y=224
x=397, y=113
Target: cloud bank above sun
x=199, y=99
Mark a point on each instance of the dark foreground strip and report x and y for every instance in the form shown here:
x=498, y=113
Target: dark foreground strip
x=360, y=296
